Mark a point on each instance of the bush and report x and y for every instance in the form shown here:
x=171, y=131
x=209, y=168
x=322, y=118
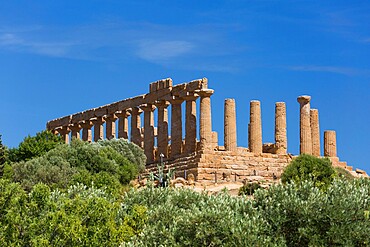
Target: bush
x=129, y=150
x=249, y=189
x=307, y=167
x=3, y=156
x=180, y=217
x=80, y=216
x=306, y=216
x=343, y=173
x=78, y=162
x=34, y=146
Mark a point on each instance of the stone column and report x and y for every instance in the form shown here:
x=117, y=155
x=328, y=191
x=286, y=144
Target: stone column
x=75, y=128
x=176, y=126
x=230, y=125
x=205, y=118
x=110, y=125
x=280, y=128
x=191, y=124
x=330, y=143
x=86, y=131
x=98, y=128
x=136, y=126
x=162, y=131
x=123, y=123
x=148, y=131
x=305, y=125
x=255, y=137
x=64, y=133
x=315, y=132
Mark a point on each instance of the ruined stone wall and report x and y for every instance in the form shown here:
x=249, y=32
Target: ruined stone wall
x=180, y=149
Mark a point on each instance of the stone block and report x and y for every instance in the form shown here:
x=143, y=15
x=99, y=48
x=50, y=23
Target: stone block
x=101, y=111
x=112, y=108
x=65, y=121
x=153, y=87
x=89, y=114
x=76, y=118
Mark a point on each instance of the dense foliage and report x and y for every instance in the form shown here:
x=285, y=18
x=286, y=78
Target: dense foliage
x=3, y=156
x=249, y=188
x=308, y=167
x=105, y=163
x=34, y=146
x=284, y=215
x=80, y=216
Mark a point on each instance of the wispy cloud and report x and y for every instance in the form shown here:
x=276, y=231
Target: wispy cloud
x=16, y=43
x=331, y=69
x=157, y=51
x=166, y=45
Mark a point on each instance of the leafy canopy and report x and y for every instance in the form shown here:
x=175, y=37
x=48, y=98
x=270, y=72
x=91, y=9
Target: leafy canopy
x=35, y=146
x=106, y=163
x=81, y=216
x=308, y=167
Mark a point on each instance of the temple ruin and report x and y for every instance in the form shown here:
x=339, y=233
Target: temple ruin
x=204, y=158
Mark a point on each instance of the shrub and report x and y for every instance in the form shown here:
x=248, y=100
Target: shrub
x=81, y=216
x=3, y=156
x=180, y=217
x=65, y=164
x=304, y=215
x=307, y=167
x=343, y=173
x=34, y=146
x=131, y=151
x=249, y=189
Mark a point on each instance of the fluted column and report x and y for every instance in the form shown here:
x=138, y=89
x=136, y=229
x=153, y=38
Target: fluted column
x=123, y=123
x=191, y=124
x=280, y=128
x=64, y=133
x=305, y=125
x=205, y=118
x=315, y=132
x=162, y=131
x=148, y=131
x=136, y=126
x=330, y=143
x=230, y=125
x=176, y=126
x=255, y=137
x=75, y=128
x=110, y=125
x=86, y=131
x=98, y=128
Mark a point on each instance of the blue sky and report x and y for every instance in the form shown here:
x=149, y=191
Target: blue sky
x=62, y=57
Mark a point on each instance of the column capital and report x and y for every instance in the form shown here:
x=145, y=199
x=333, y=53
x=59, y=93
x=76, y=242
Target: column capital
x=63, y=130
x=304, y=99
x=204, y=92
x=75, y=127
x=136, y=111
x=176, y=100
x=86, y=124
x=97, y=120
x=162, y=103
x=190, y=96
x=110, y=118
x=147, y=107
x=124, y=113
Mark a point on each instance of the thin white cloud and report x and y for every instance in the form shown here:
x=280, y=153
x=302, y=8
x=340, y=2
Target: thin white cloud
x=9, y=39
x=16, y=43
x=330, y=69
x=157, y=51
x=166, y=45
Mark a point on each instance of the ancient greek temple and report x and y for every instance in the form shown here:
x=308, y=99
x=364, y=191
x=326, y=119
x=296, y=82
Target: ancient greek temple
x=181, y=149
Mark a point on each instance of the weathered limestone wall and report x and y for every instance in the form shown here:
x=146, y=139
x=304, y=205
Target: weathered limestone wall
x=204, y=158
